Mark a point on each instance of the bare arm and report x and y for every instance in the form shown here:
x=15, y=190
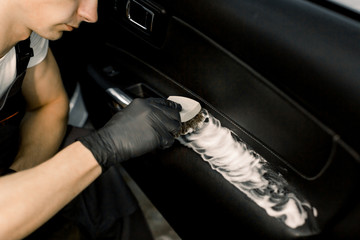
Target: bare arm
x=29, y=198
x=44, y=124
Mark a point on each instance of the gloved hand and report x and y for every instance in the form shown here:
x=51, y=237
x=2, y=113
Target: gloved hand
x=144, y=125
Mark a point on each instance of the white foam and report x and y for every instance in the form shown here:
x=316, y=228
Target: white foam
x=247, y=171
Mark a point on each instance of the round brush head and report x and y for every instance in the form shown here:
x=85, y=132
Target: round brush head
x=191, y=115
x=190, y=107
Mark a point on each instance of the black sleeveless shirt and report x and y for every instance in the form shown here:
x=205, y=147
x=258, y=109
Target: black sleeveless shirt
x=12, y=107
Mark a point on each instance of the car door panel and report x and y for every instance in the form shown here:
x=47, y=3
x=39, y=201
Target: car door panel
x=271, y=72
x=159, y=189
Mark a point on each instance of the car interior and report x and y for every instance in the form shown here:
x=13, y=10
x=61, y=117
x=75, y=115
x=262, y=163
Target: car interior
x=281, y=75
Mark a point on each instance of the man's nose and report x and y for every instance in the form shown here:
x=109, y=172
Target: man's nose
x=88, y=10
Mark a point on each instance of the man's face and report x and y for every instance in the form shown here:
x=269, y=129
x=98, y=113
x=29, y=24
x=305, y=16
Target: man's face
x=50, y=18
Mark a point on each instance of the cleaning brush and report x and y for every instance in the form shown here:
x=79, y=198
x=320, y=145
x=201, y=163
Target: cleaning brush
x=191, y=114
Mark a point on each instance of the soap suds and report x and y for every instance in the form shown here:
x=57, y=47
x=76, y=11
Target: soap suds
x=247, y=171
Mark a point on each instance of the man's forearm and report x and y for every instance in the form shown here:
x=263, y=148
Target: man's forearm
x=29, y=198
x=42, y=131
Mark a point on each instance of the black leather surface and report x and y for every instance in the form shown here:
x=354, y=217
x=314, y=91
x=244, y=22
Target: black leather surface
x=308, y=51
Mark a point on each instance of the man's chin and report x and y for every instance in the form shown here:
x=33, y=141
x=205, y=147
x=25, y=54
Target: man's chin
x=57, y=36
x=52, y=36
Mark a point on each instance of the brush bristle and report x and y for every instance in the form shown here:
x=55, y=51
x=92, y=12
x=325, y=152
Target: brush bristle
x=192, y=124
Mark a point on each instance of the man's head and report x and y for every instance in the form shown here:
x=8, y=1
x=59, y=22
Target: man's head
x=49, y=18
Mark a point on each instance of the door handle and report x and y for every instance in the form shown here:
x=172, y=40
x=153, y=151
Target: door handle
x=138, y=14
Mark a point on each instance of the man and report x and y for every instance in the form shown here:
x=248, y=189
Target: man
x=45, y=181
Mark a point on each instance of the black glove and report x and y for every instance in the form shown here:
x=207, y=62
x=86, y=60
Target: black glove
x=144, y=125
